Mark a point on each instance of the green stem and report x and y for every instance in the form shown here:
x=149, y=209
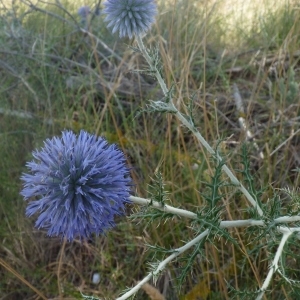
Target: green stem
x=149, y=61
x=197, y=134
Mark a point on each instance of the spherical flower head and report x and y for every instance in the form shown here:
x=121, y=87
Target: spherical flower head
x=78, y=183
x=84, y=11
x=130, y=17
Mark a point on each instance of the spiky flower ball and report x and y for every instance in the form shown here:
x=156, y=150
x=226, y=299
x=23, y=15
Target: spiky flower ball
x=130, y=17
x=78, y=183
x=84, y=11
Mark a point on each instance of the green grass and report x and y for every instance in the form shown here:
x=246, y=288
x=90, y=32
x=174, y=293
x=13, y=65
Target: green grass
x=59, y=75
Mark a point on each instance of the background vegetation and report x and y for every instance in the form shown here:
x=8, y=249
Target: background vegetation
x=57, y=71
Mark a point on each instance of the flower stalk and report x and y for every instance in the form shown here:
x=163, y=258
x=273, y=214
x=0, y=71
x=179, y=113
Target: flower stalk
x=163, y=264
x=197, y=134
x=223, y=224
x=274, y=267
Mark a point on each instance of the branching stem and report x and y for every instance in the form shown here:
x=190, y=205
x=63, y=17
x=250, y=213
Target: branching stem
x=163, y=264
x=224, y=224
x=196, y=133
x=286, y=232
x=149, y=61
x=274, y=266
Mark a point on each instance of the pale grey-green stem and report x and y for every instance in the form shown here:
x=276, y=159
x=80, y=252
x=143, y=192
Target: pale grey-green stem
x=163, y=264
x=287, y=232
x=223, y=224
x=273, y=268
x=196, y=133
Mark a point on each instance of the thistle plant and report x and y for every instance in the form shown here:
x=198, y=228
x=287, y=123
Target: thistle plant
x=79, y=183
x=209, y=221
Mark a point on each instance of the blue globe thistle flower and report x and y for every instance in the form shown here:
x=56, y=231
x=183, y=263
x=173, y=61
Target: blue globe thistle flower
x=84, y=11
x=130, y=17
x=80, y=183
